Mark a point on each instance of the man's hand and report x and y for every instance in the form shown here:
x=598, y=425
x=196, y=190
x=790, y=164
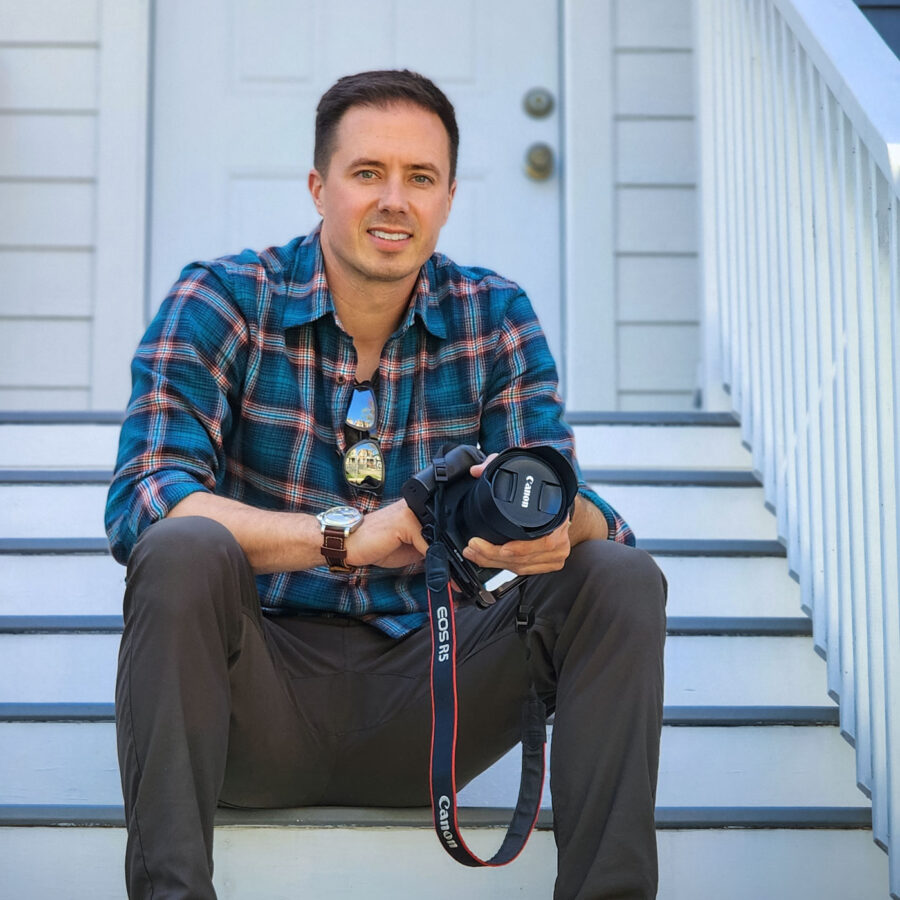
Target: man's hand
x=390, y=537
x=545, y=554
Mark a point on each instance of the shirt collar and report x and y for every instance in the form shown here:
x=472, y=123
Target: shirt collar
x=308, y=297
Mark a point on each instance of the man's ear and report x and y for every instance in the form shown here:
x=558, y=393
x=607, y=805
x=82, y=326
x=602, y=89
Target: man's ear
x=316, y=184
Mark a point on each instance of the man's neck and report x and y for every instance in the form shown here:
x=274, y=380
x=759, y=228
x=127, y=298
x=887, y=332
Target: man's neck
x=370, y=314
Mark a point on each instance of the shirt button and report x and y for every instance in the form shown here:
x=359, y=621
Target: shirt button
x=341, y=379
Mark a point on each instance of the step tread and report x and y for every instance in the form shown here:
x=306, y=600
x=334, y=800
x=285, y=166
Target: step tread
x=657, y=546
x=698, y=716
x=676, y=477
x=420, y=817
x=586, y=417
x=681, y=626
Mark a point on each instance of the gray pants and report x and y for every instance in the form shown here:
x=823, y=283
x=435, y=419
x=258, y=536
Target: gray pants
x=216, y=703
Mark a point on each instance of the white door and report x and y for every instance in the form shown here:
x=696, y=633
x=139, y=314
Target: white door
x=236, y=83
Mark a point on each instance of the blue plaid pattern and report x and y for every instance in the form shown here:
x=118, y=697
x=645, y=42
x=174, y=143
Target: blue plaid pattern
x=242, y=382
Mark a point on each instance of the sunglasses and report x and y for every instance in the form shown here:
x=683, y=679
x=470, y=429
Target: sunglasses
x=363, y=460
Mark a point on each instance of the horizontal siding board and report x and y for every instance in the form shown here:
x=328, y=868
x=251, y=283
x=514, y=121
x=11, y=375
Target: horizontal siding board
x=48, y=146
x=654, y=84
x=48, y=78
x=658, y=357
x=656, y=151
x=46, y=354
x=658, y=289
x=76, y=398
x=46, y=283
x=654, y=23
x=656, y=220
x=50, y=21
x=47, y=214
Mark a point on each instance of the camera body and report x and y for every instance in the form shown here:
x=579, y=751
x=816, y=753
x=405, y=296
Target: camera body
x=523, y=494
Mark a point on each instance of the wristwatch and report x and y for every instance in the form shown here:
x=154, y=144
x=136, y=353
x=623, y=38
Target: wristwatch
x=337, y=524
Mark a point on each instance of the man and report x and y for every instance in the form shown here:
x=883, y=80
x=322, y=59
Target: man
x=272, y=388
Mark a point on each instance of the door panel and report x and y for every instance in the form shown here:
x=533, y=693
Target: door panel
x=234, y=107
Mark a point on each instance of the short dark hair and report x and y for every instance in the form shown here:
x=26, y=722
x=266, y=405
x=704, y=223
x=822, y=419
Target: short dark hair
x=380, y=89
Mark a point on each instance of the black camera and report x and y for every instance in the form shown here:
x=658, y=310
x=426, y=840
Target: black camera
x=523, y=494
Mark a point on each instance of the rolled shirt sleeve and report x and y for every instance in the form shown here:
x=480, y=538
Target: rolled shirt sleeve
x=185, y=377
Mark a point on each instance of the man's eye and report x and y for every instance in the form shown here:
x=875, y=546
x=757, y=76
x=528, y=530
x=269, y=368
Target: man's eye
x=365, y=174
x=422, y=179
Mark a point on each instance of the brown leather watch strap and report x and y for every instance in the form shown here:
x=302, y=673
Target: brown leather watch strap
x=334, y=549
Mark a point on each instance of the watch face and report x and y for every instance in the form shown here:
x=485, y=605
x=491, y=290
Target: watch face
x=340, y=517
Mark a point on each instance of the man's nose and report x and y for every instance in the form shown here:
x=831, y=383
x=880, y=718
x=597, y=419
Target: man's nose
x=393, y=196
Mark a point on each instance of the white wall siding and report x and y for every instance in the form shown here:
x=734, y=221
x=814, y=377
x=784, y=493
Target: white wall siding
x=655, y=206
x=72, y=175
x=48, y=176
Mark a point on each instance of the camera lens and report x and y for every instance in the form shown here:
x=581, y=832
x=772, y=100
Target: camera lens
x=523, y=494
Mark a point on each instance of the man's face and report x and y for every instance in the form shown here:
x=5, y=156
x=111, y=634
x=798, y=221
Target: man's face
x=386, y=194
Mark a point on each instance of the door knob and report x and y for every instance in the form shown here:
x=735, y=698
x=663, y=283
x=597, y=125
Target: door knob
x=539, y=162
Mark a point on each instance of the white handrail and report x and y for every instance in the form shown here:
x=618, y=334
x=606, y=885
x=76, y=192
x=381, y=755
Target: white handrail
x=800, y=194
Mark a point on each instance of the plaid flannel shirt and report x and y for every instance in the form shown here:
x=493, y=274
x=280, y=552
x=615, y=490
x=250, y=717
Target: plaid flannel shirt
x=242, y=382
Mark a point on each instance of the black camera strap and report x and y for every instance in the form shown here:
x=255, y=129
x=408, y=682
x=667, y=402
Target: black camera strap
x=443, y=736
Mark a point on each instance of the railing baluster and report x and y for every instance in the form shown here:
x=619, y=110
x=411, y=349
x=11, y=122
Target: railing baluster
x=769, y=387
x=752, y=188
x=804, y=301
x=892, y=565
x=825, y=617
x=729, y=141
x=840, y=636
x=857, y=519
x=874, y=452
x=779, y=195
x=796, y=498
x=814, y=294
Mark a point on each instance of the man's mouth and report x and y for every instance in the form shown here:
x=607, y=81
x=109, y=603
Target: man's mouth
x=390, y=235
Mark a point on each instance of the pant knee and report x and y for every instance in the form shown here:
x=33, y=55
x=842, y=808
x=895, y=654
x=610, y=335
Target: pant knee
x=620, y=587
x=179, y=564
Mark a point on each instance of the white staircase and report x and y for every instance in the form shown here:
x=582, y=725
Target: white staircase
x=757, y=795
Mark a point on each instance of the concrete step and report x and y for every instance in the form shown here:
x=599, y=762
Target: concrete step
x=284, y=863
x=51, y=510
x=701, y=766
x=707, y=670
x=698, y=586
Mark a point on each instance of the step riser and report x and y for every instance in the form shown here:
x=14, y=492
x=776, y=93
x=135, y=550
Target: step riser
x=700, y=671
x=66, y=763
x=698, y=586
x=284, y=864
x=58, y=446
x=691, y=513
x=95, y=446
x=651, y=447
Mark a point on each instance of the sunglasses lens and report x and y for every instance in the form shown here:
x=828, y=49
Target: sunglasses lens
x=364, y=465
x=362, y=410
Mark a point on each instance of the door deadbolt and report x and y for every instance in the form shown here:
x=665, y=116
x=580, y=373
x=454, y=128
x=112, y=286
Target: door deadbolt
x=538, y=103
x=539, y=162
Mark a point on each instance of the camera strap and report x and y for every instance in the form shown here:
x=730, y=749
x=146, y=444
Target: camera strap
x=444, y=718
